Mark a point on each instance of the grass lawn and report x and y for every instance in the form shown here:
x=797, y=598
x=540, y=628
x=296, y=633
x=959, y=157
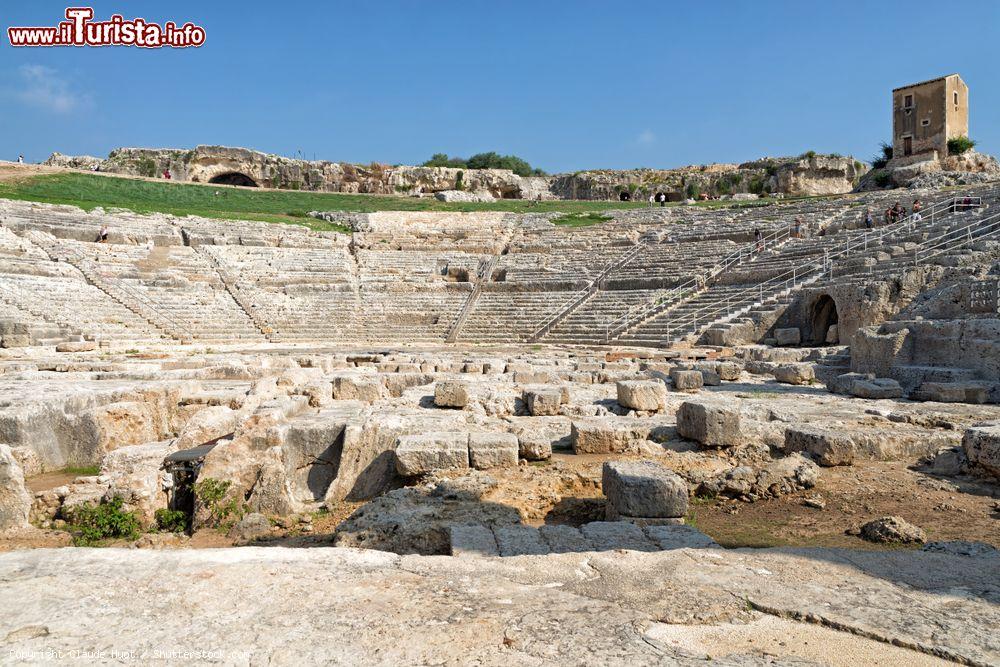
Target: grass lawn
x=277, y=206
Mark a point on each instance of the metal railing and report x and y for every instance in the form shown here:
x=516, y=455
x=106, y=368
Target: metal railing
x=559, y=313
x=665, y=298
x=737, y=303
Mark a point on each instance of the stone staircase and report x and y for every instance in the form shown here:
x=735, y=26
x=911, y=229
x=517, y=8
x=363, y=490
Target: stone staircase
x=842, y=254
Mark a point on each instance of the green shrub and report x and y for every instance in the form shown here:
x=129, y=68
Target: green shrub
x=442, y=160
x=147, y=167
x=91, y=523
x=212, y=495
x=808, y=155
x=171, y=521
x=959, y=145
x=692, y=191
x=879, y=161
x=882, y=178
x=459, y=184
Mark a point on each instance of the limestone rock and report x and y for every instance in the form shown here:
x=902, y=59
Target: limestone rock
x=493, y=450
x=77, y=346
x=420, y=454
x=880, y=388
x=689, y=381
x=451, y=394
x=472, y=541
x=771, y=480
x=712, y=424
x=643, y=489
x=644, y=395
x=543, y=401
x=251, y=527
x=892, y=529
x=794, y=373
x=604, y=437
x=982, y=447
x=15, y=502
x=789, y=336
x=357, y=388
x=534, y=446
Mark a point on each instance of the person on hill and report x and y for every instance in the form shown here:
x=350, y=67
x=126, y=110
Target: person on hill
x=898, y=212
x=888, y=216
x=758, y=238
x=166, y=174
x=102, y=236
x=917, y=206
x=650, y=201
x=869, y=221
x=20, y=159
x=797, y=230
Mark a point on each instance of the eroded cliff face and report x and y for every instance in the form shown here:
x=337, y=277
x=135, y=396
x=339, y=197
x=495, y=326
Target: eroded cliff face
x=802, y=176
x=812, y=175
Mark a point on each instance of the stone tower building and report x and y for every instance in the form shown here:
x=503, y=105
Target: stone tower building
x=926, y=115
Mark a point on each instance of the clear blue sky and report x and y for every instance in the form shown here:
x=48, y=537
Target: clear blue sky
x=567, y=85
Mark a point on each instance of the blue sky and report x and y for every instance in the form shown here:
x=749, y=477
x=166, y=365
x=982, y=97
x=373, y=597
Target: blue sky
x=568, y=85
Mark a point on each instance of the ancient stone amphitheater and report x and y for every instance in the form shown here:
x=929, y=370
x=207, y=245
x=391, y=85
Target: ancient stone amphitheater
x=508, y=441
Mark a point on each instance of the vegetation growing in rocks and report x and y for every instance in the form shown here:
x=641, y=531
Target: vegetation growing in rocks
x=171, y=521
x=92, y=524
x=960, y=145
x=491, y=160
x=882, y=159
x=222, y=511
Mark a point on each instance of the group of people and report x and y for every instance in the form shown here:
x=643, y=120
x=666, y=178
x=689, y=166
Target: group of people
x=895, y=213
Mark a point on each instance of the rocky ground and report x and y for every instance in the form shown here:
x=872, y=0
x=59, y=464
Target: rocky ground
x=259, y=605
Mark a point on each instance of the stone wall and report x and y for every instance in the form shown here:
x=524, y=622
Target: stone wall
x=806, y=175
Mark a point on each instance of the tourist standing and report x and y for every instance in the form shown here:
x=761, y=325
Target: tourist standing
x=798, y=228
x=758, y=239
x=102, y=236
x=869, y=221
x=20, y=159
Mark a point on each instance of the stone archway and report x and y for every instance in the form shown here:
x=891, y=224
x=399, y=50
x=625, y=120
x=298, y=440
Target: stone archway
x=233, y=178
x=824, y=315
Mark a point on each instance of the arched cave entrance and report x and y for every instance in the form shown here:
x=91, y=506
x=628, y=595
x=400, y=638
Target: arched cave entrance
x=233, y=178
x=624, y=196
x=824, y=315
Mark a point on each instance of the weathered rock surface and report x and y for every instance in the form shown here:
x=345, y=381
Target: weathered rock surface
x=621, y=613
x=982, y=447
x=644, y=395
x=713, y=424
x=770, y=480
x=643, y=489
x=892, y=529
x=15, y=503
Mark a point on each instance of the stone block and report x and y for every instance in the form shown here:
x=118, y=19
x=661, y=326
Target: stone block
x=843, y=383
x=611, y=535
x=713, y=424
x=77, y=346
x=357, y=388
x=493, y=450
x=827, y=446
x=690, y=381
x=982, y=447
x=729, y=371
x=833, y=335
x=520, y=541
x=876, y=389
x=953, y=392
x=15, y=501
x=565, y=539
x=797, y=374
x=422, y=453
x=786, y=337
x=544, y=401
x=645, y=395
x=534, y=446
x=644, y=489
x=451, y=394
x=606, y=437
x=679, y=537
x=469, y=541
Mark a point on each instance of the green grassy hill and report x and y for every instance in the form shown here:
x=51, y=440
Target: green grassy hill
x=282, y=206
